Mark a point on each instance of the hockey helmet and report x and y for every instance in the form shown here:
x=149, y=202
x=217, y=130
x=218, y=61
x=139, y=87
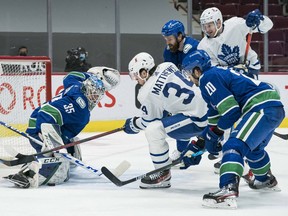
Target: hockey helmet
x=198, y=58
x=173, y=27
x=209, y=15
x=141, y=61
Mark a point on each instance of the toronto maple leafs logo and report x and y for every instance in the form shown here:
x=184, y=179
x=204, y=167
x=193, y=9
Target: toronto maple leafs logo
x=230, y=56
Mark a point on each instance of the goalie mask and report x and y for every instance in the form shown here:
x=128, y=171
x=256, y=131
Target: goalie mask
x=93, y=89
x=109, y=76
x=142, y=61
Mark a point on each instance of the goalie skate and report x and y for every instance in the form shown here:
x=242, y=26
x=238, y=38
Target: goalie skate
x=224, y=198
x=19, y=179
x=157, y=180
x=27, y=177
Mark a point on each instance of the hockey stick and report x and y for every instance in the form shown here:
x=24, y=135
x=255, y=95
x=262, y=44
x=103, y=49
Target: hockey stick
x=249, y=38
x=282, y=136
x=118, y=171
x=28, y=158
x=120, y=183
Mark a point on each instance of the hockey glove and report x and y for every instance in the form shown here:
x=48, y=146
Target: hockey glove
x=252, y=73
x=130, y=127
x=243, y=69
x=192, y=148
x=253, y=19
x=213, y=137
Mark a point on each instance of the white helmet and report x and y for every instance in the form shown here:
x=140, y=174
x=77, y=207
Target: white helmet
x=109, y=76
x=209, y=15
x=142, y=60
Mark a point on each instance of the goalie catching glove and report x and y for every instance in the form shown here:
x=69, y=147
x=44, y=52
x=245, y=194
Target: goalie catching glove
x=109, y=76
x=192, y=148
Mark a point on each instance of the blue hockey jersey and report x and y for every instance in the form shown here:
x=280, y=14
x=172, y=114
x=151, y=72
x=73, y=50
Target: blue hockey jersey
x=176, y=58
x=69, y=109
x=229, y=95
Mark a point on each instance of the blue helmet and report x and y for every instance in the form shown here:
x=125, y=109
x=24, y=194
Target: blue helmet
x=173, y=27
x=198, y=58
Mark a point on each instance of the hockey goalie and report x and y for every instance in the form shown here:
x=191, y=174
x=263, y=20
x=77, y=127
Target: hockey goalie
x=59, y=121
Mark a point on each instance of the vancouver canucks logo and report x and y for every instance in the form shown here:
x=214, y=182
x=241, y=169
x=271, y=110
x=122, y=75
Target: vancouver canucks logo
x=230, y=56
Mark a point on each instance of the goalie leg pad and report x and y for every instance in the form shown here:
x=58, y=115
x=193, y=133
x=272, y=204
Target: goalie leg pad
x=55, y=170
x=51, y=135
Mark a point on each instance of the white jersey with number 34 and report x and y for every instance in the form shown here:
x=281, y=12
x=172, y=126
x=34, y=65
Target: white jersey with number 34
x=167, y=91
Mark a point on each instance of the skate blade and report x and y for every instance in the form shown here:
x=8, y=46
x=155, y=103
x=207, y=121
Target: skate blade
x=272, y=189
x=155, y=186
x=226, y=204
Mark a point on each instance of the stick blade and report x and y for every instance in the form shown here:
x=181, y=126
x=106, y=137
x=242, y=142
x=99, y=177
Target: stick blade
x=121, y=168
x=22, y=160
x=25, y=158
x=106, y=172
x=282, y=136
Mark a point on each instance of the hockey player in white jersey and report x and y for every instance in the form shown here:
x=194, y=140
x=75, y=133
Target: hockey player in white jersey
x=225, y=42
x=171, y=106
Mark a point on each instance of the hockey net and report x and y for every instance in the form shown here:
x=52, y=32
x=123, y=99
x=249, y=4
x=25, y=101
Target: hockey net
x=25, y=83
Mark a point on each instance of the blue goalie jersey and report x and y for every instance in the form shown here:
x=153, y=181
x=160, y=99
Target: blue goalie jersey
x=69, y=109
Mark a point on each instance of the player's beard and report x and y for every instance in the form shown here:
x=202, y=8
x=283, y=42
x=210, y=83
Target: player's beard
x=174, y=47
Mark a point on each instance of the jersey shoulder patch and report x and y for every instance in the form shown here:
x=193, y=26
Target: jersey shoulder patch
x=186, y=48
x=80, y=101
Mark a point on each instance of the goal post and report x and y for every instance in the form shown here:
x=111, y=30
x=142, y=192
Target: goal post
x=25, y=83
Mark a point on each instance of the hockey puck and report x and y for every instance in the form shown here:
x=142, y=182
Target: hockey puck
x=51, y=184
x=212, y=157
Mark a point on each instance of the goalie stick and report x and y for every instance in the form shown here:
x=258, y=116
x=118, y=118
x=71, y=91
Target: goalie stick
x=28, y=158
x=114, y=179
x=118, y=171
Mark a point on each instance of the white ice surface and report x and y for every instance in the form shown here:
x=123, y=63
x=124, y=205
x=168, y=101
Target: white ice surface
x=85, y=194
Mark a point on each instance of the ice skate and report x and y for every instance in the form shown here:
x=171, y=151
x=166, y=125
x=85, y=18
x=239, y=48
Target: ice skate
x=157, y=180
x=224, y=198
x=270, y=184
x=249, y=177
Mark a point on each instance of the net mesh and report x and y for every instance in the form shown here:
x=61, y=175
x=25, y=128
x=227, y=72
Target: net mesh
x=23, y=87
